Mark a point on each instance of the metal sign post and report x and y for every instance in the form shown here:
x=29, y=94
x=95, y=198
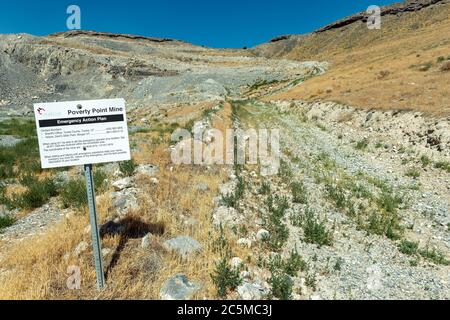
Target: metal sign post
x=96, y=242
x=75, y=133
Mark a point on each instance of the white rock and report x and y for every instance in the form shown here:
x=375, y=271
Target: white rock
x=147, y=169
x=105, y=252
x=87, y=229
x=146, y=241
x=81, y=247
x=262, y=235
x=244, y=242
x=236, y=262
x=121, y=184
x=178, y=288
x=226, y=216
x=251, y=291
x=245, y=274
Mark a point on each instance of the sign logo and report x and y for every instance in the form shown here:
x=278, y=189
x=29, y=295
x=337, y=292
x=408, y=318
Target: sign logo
x=41, y=111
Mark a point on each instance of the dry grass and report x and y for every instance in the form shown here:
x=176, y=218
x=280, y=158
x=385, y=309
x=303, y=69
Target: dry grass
x=36, y=268
x=382, y=69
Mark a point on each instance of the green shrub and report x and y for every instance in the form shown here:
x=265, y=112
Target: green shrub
x=232, y=199
x=281, y=286
x=74, y=193
x=384, y=224
x=265, y=188
x=362, y=144
x=299, y=193
x=127, y=167
x=443, y=165
x=408, y=247
x=5, y=222
x=315, y=230
x=425, y=160
x=225, y=277
x=18, y=127
x=290, y=266
x=434, y=256
x=279, y=233
x=413, y=173
x=25, y=154
x=285, y=171
x=37, y=192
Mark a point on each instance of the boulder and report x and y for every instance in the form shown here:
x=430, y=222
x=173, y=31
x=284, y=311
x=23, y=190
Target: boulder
x=178, y=288
x=121, y=184
x=262, y=235
x=147, y=169
x=226, y=216
x=9, y=141
x=252, y=291
x=146, y=241
x=183, y=245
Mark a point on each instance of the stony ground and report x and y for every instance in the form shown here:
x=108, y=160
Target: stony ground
x=361, y=261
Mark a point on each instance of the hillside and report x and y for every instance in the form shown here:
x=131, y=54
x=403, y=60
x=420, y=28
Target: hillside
x=401, y=66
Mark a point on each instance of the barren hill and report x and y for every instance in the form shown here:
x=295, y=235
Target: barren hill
x=401, y=66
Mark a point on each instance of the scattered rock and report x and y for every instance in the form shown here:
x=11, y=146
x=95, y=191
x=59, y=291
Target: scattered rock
x=252, y=291
x=226, y=216
x=105, y=252
x=244, y=242
x=178, y=288
x=202, y=187
x=9, y=141
x=236, y=262
x=80, y=248
x=147, y=169
x=183, y=245
x=262, y=235
x=125, y=201
x=146, y=241
x=121, y=184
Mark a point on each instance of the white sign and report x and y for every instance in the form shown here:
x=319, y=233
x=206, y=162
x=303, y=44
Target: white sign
x=82, y=132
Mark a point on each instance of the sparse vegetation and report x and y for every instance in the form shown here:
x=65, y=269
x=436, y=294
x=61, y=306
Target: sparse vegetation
x=225, y=277
x=232, y=199
x=299, y=192
x=443, y=165
x=434, y=256
x=315, y=230
x=127, y=167
x=265, y=188
x=362, y=144
x=37, y=192
x=279, y=233
x=285, y=171
x=408, y=247
x=425, y=160
x=74, y=193
x=281, y=286
x=413, y=173
x=6, y=221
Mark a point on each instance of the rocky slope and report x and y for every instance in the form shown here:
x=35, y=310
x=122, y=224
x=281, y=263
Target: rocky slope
x=145, y=71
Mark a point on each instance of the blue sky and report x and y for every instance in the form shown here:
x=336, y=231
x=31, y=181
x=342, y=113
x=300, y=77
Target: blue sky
x=213, y=23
